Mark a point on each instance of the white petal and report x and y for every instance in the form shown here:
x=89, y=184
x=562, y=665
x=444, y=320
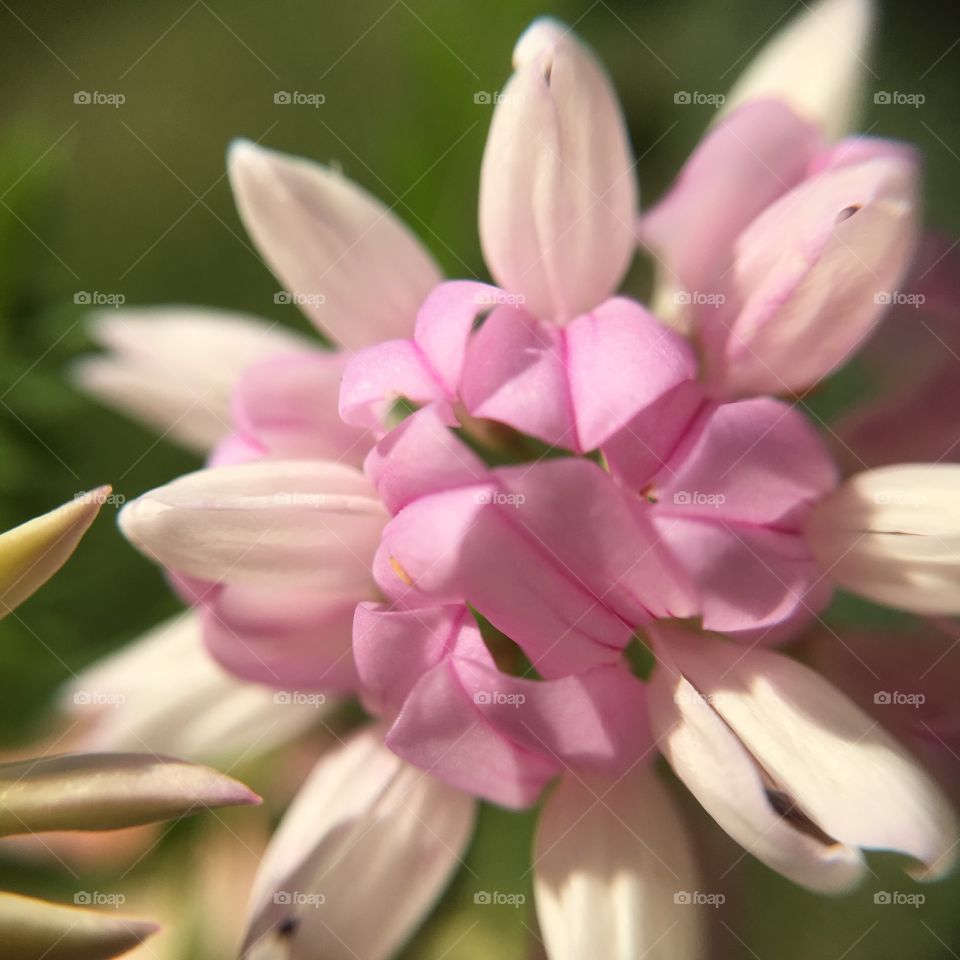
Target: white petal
x=611, y=866
x=727, y=713
x=893, y=535
x=816, y=63
x=33, y=552
x=303, y=521
x=361, y=856
x=164, y=693
x=557, y=189
x=174, y=368
x=357, y=271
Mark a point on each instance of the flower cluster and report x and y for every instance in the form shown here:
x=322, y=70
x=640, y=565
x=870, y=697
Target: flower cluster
x=546, y=533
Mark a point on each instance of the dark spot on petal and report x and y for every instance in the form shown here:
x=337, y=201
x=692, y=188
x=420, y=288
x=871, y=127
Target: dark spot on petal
x=786, y=808
x=847, y=212
x=287, y=927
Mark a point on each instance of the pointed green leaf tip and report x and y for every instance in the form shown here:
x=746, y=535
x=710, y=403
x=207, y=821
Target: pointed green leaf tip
x=33, y=552
x=108, y=791
x=32, y=928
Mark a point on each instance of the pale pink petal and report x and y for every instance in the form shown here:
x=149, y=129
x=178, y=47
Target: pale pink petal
x=893, y=535
x=816, y=63
x=288, y=406
x=614, y=873
x=788, y=766
x=420, y=457
x=357, y=271
x=287, y=521
x=366, y=832
x=294, y=639
x=747, y=161
x=557, y=190
x=832, y=247
x=204, y=715
x=174, y=368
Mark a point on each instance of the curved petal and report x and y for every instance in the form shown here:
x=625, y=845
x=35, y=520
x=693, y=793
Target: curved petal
x=816, y=64
x=893, y=535
x=300, y=521
x=834, y=246
x=756, y=461
x=33, y=552
x=515, y=373
x=358, y=272
x=557, y=190
x=591, y=721
x=288, y=405
x=761, y=583
x=442, y=730
x=570, y=594
x=613, y=872
x=204, y=715
x=789, y=767
x=376, y=378
x=293, y=638
x=419, y=457
x=395, y=648
x=745, y=163
x=573, y=387
x=173, y=368
x=362, y=827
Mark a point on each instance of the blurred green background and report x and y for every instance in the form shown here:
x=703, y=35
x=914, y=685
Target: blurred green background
x=133, y=201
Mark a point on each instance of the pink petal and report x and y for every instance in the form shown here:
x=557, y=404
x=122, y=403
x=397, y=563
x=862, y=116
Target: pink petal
x=752, y=580
x=744, y=163
x=288, y=405
x=756, y=462
x=441, y=730
x=444, y=323
x=515, y=373
x=394, y=648
x=420, y=457
x=293, y=639
x=591, y=721
x=376, y=378
x=357, y=271
x=570, y=594
x=831, y=247
x=557, y=190
x=620, y=360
